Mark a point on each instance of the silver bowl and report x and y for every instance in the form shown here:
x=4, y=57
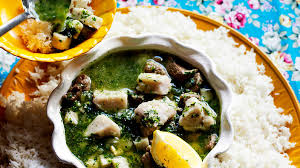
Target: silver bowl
x=164, y=43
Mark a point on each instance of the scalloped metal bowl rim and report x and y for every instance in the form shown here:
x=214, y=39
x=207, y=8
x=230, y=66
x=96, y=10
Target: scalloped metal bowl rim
x=152, y=41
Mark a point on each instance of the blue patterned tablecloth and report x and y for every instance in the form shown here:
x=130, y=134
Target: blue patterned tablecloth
x=274, y=25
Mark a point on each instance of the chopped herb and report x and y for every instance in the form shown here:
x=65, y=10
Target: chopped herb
x=153, y=68
x=84, y=14
x=151, y=118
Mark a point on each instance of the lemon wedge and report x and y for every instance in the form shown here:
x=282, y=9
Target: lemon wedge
x=170, y=151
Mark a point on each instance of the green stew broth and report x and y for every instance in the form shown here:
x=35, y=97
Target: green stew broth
x=54, y=11
x=117, y=71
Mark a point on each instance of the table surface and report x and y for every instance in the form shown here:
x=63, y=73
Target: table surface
x=274, y=25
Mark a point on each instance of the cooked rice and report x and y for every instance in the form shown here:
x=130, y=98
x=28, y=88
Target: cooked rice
x=260, y=133
x=36, y=35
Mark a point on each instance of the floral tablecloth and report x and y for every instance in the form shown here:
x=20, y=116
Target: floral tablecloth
x=274, y=25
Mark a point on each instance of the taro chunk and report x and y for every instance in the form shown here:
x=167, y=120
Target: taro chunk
x=152, y=83
x=92, y=162
x=120, y=162
x=141, y=144
x=153, y=114
x=104, y=162
x=206, y=94
x=75, y=27
x=71, y=117
x=87, y=17
x=60, y=41
x=197, y=115
x=185, y=96
x=111, y=100
x=103, y=127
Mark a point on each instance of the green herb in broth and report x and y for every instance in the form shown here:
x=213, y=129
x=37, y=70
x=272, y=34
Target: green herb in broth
x=116, y=71
x=54, y=11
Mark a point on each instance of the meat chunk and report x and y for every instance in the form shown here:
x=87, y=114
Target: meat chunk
x=212, y=140
x=111, y=100
x=103, y=127
x=82, y=83
x=147, y=160
x=197, y=115
x=135, y=99
x=152, y=83
x=158, y=59
x=155, y=67
x=60, y=41
x=178, y=72
x=153, y=114
x=194, y=83
x=120, y=162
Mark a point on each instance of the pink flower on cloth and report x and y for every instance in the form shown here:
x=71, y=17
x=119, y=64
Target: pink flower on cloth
x=286, y=58
x=127, y=3
x=221, y=6
x=286, y=75
x=237, y=18
x=254, y=4
x=254, y=40
x=159, y=2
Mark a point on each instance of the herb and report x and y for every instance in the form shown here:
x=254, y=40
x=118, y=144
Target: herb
x=153, y=68
x=54, y=11
x=84, y=14
x=86, y=96
x=173, y=126
x=151, y=118
x=71, y=27
x=94, y=19
x=177, y=91
x=190, y=72
x=125, y=115
x=191, y=82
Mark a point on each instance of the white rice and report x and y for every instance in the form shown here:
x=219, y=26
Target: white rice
x=260, y=133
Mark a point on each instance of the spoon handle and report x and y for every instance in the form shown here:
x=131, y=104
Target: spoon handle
x=13, y=23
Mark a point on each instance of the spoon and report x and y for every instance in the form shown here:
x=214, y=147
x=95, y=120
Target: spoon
x=29, y=12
